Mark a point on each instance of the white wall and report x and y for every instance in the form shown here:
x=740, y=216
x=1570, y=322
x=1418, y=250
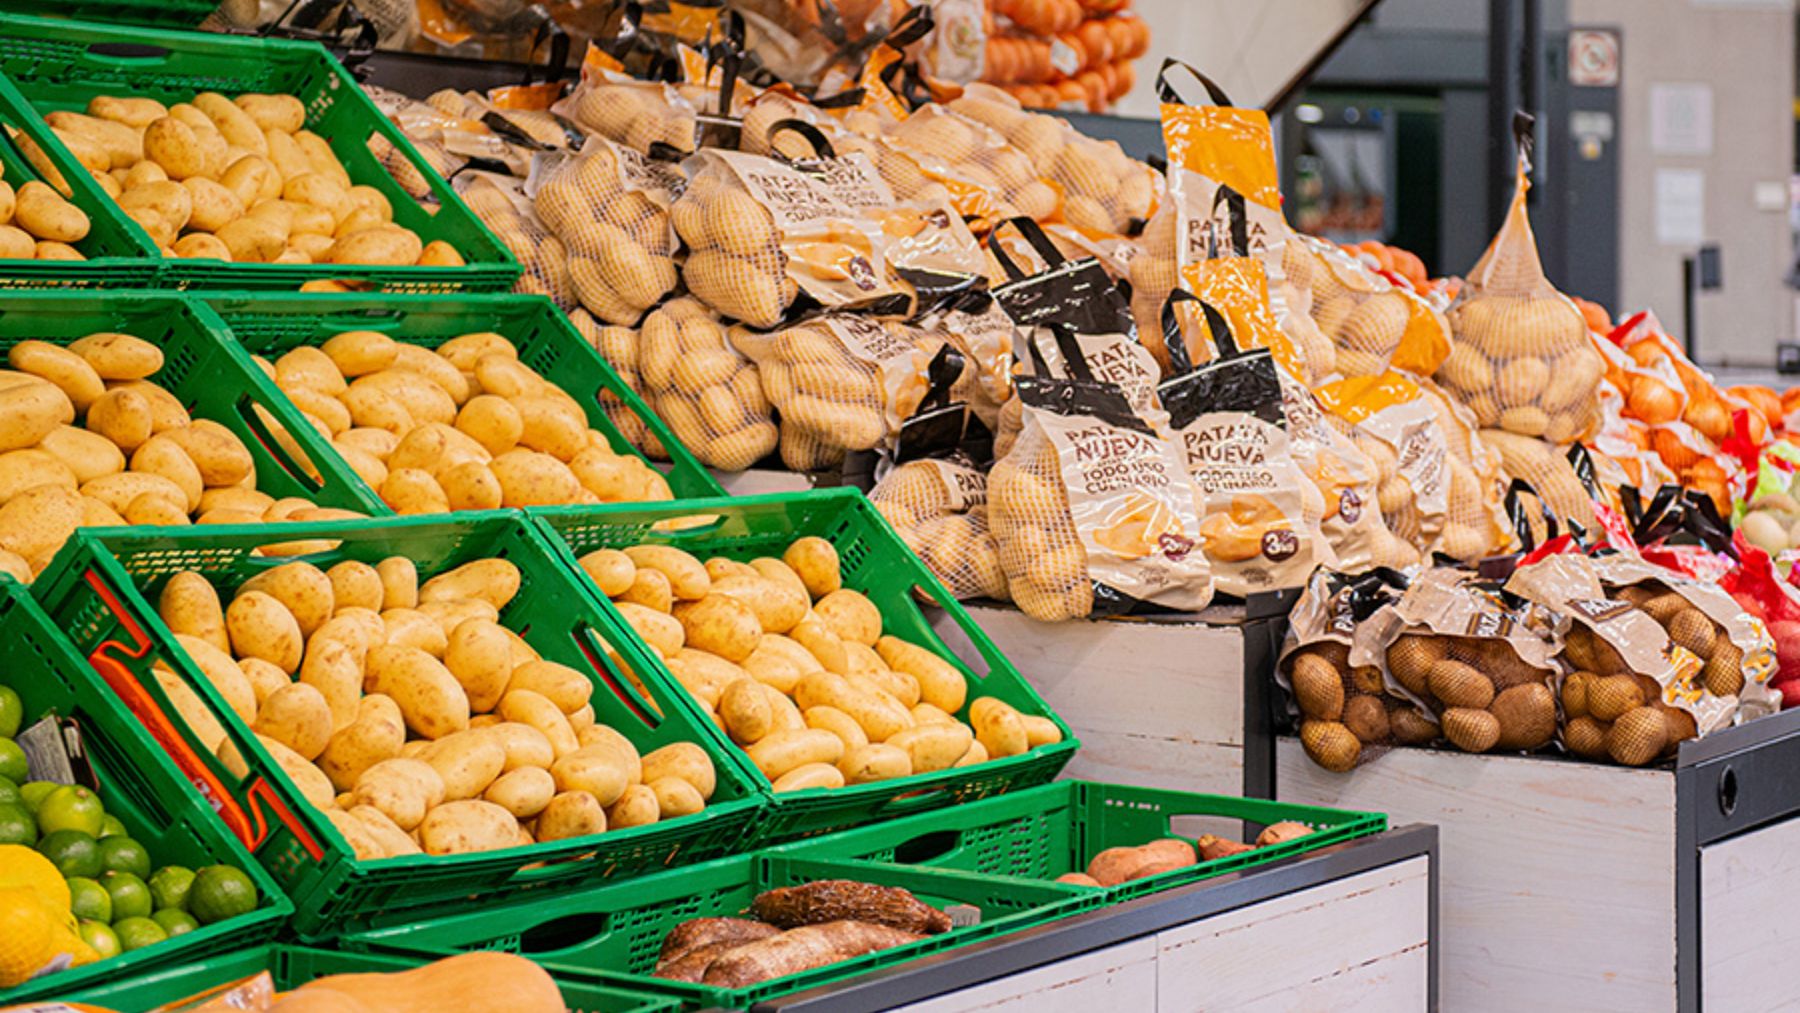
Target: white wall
x=1250, y=47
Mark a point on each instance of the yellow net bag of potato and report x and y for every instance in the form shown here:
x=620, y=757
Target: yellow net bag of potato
x=1347, y=481
x=1475, y=522
x=1259, y=513
x=1092, y=510
x=1547, y=470
x=938, y=506
x=845, y=381
x=501, y=204
x=1522, y=360
x=1372, y=323
x=1104, y=189
x=710, y=395
x=979, y=328
x=645, y=116
x=1390, y=421
x=609, y=207
x=988, y=179
x=619, y=347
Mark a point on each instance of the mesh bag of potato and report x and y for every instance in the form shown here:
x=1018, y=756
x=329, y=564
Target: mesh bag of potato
x=1104, y=190
x=1475, y=524
x=1346, y=713
x=464, y=426
x=979, y=328
x=938, y=506
x=1346, y=479
x=92, y=440
x=1522, y=360
x=1373, y=323
x=1093, y=512
x=1259, y=513
x=619, y=346
x=708, y=392
x=609, y=206
x=988, y=179
x=1389, y=419
x=645, y=116
x=1483, y=668
x=237, y=180
x=501, y=204
x=1547, y=470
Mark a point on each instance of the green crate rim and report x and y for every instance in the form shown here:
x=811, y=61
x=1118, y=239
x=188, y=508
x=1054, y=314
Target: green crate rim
x=489, y=268
x=688, y=478
x=17, y=606
x=150, y=13
x=88, y=563
x=338, y=486
x=292, y=965
x=106, y=225
x=1082, y=799
x=1058, y=900
x=1052, y=756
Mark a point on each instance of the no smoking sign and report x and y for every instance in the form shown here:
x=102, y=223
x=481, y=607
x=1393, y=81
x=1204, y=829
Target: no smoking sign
x=1594, y=58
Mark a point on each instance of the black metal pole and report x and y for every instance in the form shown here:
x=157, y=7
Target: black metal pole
x=1501, y=101
x=1689, y=282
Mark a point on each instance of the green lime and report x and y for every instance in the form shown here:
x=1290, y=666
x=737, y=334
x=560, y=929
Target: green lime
x=137, y=933
x=100, y=936
x=71, y=807
x=33, y=793
x=130, y=897
x=169, y=886
x=9, y=791
x=72, y=852
x=111, y=827
x=88, y=899
x=12, y=761
x=12, y=712
x=122, y=854
x=175, y=921
x=221, y=892
x=17, y=825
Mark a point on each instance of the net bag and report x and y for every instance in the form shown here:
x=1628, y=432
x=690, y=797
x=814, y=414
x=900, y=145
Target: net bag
x=710, y=395
x=645, y=116
x=1349, y=517
x=1372, y=322
x=619, y=347
x=1396, y=427
x=939, y=509
x=609, y=208
x=501, y=204
x=1346, y=714
x=1093, y=512
x=988, y=179
x=1522, y=360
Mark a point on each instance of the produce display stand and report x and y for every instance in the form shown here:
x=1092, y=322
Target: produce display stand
x=1350, y=926
x=1585, y=886
x=1185, y=703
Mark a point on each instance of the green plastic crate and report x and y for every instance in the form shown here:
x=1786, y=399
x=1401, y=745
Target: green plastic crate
x=1043, y=833
x=291, y=966
x=206, y=371
x=139, y=785
x=875, y=562
x=546, y=340
x=153, y=13
x=100, y=589
x=117, y=257
x=614, y=933
x=62, y=64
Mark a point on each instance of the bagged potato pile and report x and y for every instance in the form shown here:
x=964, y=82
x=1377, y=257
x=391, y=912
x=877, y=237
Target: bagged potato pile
x=409, y=421
x=1094, y=512
x=1392, y=423
x=938, y=507
x=450, y=129
x=610, y=208
x=1373, y=323
x=36, y=223
x=795, y=668
x=978, y=328
x=1347, y=482
x=988, y=179
x=1521, y=360
x=645, y=116
x=409, y=715
x=1346, y=711
x=708, y=392
x=501, y=204
x=237, y=180
x=1104, y=190
x=620, y=347
x=89, y=439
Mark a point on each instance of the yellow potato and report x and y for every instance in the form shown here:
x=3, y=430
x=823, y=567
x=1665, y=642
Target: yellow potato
x=637, y=807
x=571, y=814
x=413, y=628
x=67, y=370
x=311, y=782
x=471, y=825
x=720, y=625
x=1039, y=731
x=335, y=669
x=826, y=647
x=851, y=616
x=528, y=478
x=778, y=607
x=373, y=822
x=687, y=575
x=940, y=684
x=116, y=356
x=222, y=458
x=998, y=727
x=675, y=797
x=302, y=588
x=746, y=711
x=189, y=605
x=838, y=723
x=494, y=581
x=224, y=675
x=649, y=588
x=809, y=775
x=595, y=769
x=525, y=746
x=44, y=213
x=524, y=792
x=377, y=734
x=479, y=655
x=563, y=686
x=261, y=627
x=160, y=455
x=528, y=708
x=781, y=752
x=297, y=716
x=933, y=746
x=354, y=584
x=399, y=582
x=467, y=761
x=684, y=760
x=878, y=762
x=403, y=789
x=815, y=560
x=663, y=633
x=430, y=699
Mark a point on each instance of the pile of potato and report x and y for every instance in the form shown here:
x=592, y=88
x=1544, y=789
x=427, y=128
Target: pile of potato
x=1344, y=708
x=466, y=426
x=794, y=667
x=1484, y=695
x=87, y=439
x=409, y=716
x=238, y=180
x=620, y=247
x=1104, y=188
x=710, y=395
x=36, y=223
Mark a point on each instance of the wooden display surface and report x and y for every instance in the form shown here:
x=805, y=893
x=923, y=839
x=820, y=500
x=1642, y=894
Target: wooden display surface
x=1577, y=886
x=1347, y=927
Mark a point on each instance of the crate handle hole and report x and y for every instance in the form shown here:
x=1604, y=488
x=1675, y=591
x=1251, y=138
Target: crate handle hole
x=1728, y=791
x=955, y=638
x=618, y=676
x=563, y=933
x=926, y=847
x=115, y=51
x=298, y=466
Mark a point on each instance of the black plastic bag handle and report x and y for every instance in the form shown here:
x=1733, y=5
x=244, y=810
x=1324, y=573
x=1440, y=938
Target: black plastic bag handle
x=1180, y=361
x=1521, y=517
x=821, y=145
x=1033, y=234
x=1237, y=213
x=1165, y=89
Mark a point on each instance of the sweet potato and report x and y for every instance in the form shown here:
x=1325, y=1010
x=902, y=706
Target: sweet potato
x=801, y=949
x=830, y=900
